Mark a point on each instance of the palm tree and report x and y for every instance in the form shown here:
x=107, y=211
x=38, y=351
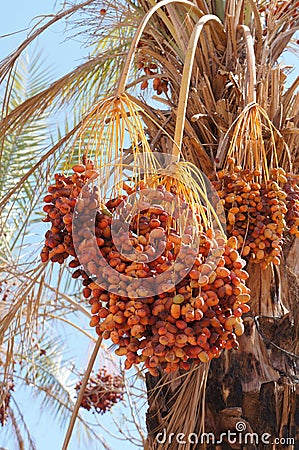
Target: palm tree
x=205, y=81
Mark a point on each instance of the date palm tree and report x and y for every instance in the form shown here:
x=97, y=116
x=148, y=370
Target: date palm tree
x=206, y=79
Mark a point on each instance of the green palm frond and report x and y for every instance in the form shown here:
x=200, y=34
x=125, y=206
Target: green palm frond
x=19, y=150
x=45, y=368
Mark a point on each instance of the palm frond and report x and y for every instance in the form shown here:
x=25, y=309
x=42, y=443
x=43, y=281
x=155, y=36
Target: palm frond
x=7, y=65
x=18, y=150
x=45, y=373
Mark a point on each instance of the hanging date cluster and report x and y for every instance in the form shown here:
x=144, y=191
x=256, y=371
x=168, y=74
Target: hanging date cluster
x=167, y=327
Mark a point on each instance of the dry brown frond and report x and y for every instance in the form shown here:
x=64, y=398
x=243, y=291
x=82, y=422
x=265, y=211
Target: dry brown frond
x=8, y=63
x=57, y=94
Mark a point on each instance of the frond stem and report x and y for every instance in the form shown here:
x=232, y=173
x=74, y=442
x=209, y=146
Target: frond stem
x=129, y=60
x=186, y=78
x=81, y=393
x=250, y=95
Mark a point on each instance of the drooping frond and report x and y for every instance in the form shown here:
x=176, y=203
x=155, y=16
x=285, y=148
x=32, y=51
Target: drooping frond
x=19, y=150
x=7, y=65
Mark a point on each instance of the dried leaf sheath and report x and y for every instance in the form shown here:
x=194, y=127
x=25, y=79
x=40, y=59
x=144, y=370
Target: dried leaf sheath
x=185, y=415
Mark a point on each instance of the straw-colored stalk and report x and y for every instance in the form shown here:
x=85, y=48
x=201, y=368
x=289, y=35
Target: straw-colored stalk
x=186, y=78
x=144, y=22
x=249, y=145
